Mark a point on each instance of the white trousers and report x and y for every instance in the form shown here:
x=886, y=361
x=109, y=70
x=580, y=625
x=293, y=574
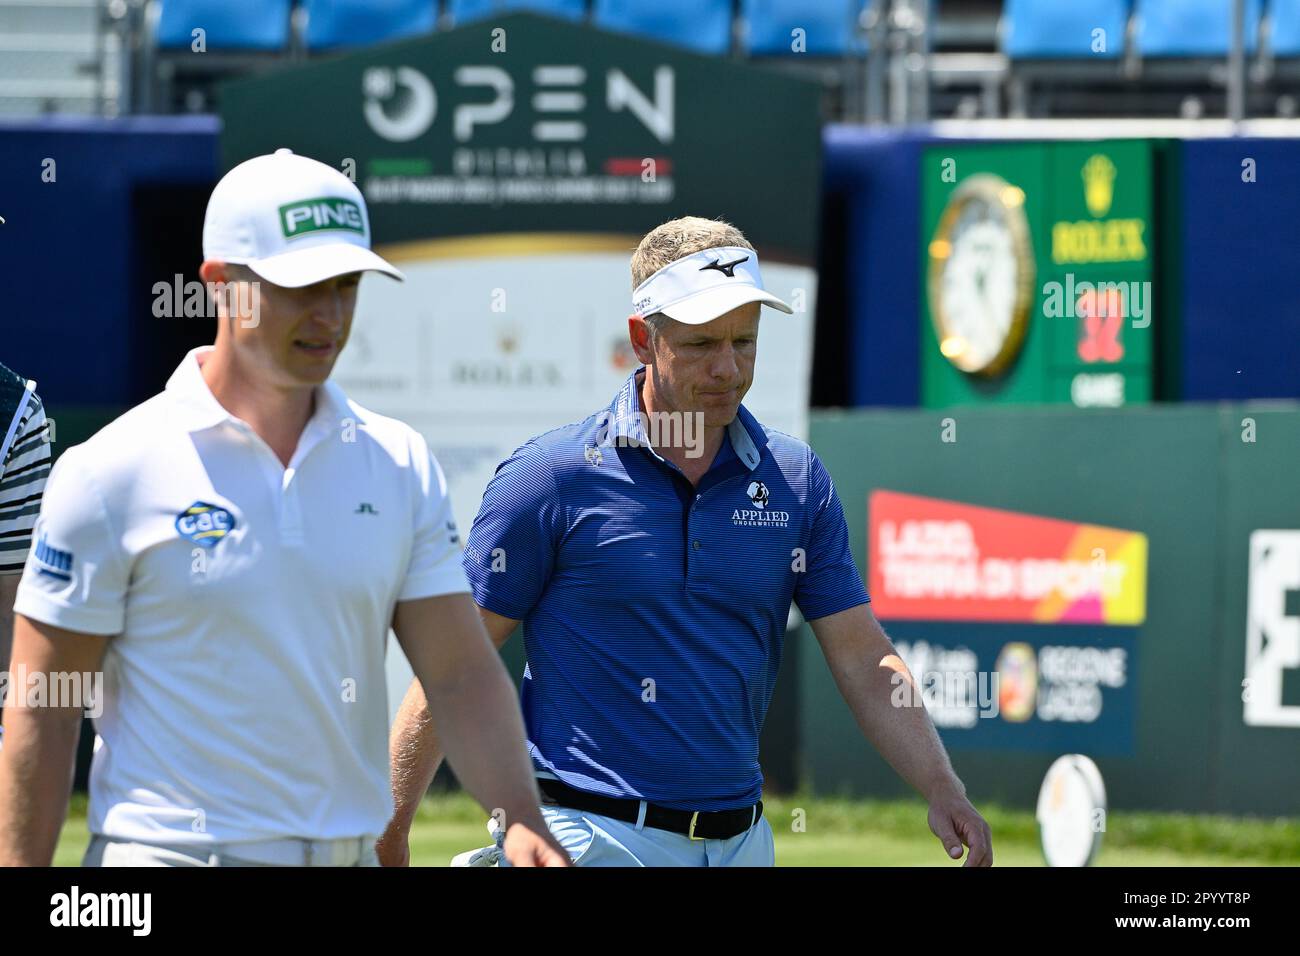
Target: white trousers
x=105, y=851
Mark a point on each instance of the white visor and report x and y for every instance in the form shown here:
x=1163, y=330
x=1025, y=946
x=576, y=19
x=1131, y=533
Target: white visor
x=301, y=267
x=700, y=287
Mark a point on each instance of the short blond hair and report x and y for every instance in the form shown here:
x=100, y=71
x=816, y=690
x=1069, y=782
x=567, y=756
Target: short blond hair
x=679, y=238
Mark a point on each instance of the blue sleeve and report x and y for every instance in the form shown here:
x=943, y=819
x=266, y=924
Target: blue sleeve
x=511, y=546
x=831, y=582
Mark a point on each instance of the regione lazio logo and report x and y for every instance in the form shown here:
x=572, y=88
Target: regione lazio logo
x=320, y=215
x=759, y=516
x=205, y=524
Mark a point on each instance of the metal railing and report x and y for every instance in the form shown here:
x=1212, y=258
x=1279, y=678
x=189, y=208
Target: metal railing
x=61, y=55
x=113, y=65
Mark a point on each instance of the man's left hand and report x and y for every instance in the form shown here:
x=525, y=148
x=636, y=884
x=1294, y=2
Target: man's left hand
x=955, y=822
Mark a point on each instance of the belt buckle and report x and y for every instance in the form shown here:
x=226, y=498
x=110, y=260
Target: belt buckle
x=691, y=832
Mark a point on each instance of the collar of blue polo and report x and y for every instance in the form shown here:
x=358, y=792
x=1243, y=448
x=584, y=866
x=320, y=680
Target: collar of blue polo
x=624, y=424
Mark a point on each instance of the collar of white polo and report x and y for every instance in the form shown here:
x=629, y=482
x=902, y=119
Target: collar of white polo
x=199, y=409
x=704, y=285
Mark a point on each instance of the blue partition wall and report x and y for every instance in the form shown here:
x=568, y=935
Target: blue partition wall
x=70, y=246
x=874, y=177
x=1240, y=295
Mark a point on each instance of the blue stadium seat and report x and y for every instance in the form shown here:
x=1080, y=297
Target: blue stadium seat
x=830, y=26
x=463, y=11
x=332, y=24
x=1285, y=15
x=1063, y=29
x=1191, y=27
x=701, y=25
x=228, y=24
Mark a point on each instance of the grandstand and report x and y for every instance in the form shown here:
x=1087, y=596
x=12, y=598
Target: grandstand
x=882, y=61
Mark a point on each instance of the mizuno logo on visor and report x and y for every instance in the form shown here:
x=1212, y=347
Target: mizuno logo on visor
x=728, y=269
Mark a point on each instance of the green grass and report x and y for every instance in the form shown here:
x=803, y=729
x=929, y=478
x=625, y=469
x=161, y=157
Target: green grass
x=845, y=832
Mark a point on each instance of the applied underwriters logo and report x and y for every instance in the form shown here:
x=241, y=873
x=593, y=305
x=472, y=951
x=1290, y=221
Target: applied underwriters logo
x=205, y=524
x=759, y=516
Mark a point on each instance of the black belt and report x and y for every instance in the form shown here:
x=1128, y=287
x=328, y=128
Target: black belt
x=706, y=825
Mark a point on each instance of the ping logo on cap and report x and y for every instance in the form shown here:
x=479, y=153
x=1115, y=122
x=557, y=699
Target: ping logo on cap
x=318, y=215
x=205, y=524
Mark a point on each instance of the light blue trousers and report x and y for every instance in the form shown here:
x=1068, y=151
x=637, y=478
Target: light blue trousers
x=594, y=840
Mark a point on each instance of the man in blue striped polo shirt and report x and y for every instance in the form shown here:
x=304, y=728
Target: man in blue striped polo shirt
x=652, y=552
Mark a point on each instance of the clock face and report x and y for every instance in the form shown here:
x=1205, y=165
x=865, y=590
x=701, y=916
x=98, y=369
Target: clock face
x=981, y=275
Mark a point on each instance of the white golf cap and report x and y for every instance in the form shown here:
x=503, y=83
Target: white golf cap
x=704, y=285
x=292, y=220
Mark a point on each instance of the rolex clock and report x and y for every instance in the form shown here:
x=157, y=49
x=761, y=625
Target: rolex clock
x=981, y=277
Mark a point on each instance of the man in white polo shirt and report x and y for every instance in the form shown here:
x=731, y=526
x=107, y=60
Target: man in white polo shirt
x=232, y=554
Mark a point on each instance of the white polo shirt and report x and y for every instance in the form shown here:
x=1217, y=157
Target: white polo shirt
x=244, y=693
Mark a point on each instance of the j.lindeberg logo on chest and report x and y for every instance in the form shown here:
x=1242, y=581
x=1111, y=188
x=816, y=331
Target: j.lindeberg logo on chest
x=760, y=516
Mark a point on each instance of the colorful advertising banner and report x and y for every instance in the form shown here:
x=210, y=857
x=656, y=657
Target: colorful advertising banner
x=937, y=560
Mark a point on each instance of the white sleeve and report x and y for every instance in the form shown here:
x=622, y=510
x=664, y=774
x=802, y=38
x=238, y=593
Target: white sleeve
x=76, y=573
x=435, y=566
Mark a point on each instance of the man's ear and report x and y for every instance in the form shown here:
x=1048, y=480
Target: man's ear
x=214, y=270
x=639, y=333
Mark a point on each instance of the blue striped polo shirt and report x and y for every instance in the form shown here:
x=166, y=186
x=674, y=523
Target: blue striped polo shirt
x=654, y=612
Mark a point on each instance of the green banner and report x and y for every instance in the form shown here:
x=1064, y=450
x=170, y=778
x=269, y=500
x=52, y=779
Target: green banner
x=1038, y=262
x=522, y=123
